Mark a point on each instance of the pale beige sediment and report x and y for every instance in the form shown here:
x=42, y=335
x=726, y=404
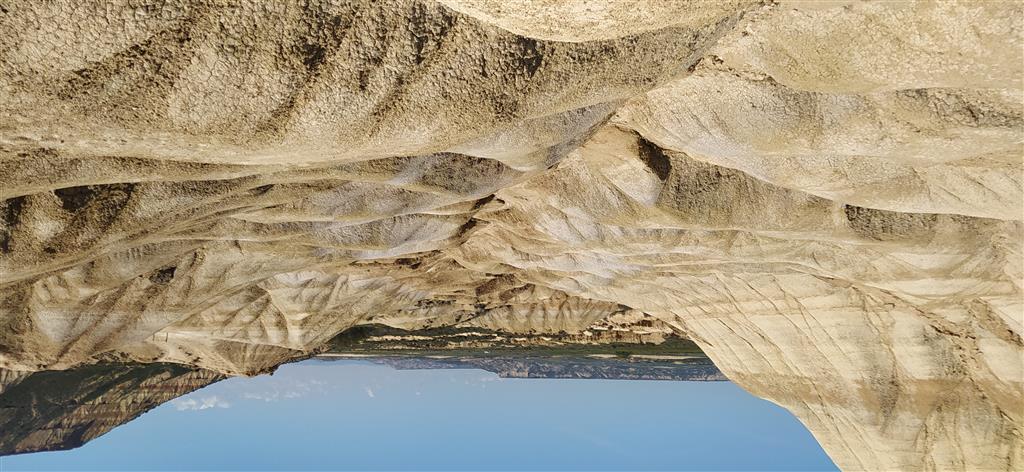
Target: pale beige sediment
x=827, y=197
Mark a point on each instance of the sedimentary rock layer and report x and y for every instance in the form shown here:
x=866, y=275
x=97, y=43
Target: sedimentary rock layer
x=57, y=410
x=827, y=197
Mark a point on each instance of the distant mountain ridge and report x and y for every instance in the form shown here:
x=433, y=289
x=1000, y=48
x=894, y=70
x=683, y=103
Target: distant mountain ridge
x=60, y=410
x=559, y=367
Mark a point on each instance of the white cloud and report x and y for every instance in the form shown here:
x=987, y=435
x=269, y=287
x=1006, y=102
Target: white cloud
x=294, y=390
x=369, y=392
x=191, y=404
x=265, y=396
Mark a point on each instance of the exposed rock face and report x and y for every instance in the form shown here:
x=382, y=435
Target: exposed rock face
x=229, y=185
x=827, y=197
x=51, y=411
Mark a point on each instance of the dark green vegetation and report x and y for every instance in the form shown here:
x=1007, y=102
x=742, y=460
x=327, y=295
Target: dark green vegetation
x=483, y=343
x=564, y=367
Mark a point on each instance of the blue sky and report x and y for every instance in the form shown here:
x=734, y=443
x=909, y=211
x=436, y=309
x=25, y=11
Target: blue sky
x=353, y=415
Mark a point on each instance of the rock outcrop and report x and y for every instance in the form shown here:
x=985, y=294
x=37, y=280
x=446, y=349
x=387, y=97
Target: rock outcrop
x=827, y=197
x=57, y=410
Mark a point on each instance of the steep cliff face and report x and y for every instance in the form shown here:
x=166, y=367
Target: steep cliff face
x=57, y=410
x=894, y=336
x=827, y=197
x=227, y=185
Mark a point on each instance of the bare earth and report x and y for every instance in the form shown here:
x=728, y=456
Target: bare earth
x=825, y=196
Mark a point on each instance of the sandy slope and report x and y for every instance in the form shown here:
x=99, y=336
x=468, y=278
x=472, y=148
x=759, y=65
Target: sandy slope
x=826, y=196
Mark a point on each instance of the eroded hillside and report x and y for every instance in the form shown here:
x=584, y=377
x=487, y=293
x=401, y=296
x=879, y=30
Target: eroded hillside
x=826, y=197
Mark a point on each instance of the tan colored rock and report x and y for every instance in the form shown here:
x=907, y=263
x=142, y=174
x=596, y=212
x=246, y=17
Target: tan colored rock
x=827, y=197
x=595, y=20
x=859, y=47
x=894, y=336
